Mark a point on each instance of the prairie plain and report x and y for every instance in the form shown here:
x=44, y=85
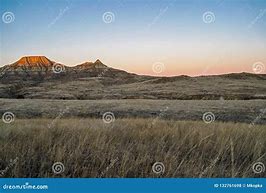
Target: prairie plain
x=136, y=135
x=91, y=120
x=130, y=148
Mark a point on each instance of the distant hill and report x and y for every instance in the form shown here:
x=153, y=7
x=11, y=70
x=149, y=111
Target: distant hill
x=40, y=77
x=40, y=68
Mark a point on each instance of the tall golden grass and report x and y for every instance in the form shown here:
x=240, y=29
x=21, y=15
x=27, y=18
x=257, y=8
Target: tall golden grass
x=130, y=147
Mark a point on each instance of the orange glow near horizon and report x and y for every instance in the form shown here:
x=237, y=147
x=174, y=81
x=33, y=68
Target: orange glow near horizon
x=191, y=58
x=173, y=66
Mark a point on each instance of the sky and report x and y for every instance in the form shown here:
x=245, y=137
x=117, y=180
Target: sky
x=165, y=38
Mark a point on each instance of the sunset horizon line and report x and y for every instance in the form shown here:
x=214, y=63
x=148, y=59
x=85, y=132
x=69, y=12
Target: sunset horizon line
x=137, y=73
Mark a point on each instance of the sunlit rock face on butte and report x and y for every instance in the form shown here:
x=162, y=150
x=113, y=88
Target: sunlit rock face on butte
x=40, y=68
x=90, y=66
x=33, y=62
x=28, y=67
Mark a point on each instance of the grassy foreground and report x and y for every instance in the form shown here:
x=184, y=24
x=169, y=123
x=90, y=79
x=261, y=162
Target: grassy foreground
x=130, y=147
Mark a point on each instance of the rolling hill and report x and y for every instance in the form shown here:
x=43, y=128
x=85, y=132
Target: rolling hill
x=41, y=78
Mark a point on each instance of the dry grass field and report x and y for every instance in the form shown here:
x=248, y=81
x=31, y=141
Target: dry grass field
x=130, y=147
x=245, y=111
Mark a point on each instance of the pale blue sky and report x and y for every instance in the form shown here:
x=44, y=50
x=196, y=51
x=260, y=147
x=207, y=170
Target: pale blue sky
x=142, y=33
